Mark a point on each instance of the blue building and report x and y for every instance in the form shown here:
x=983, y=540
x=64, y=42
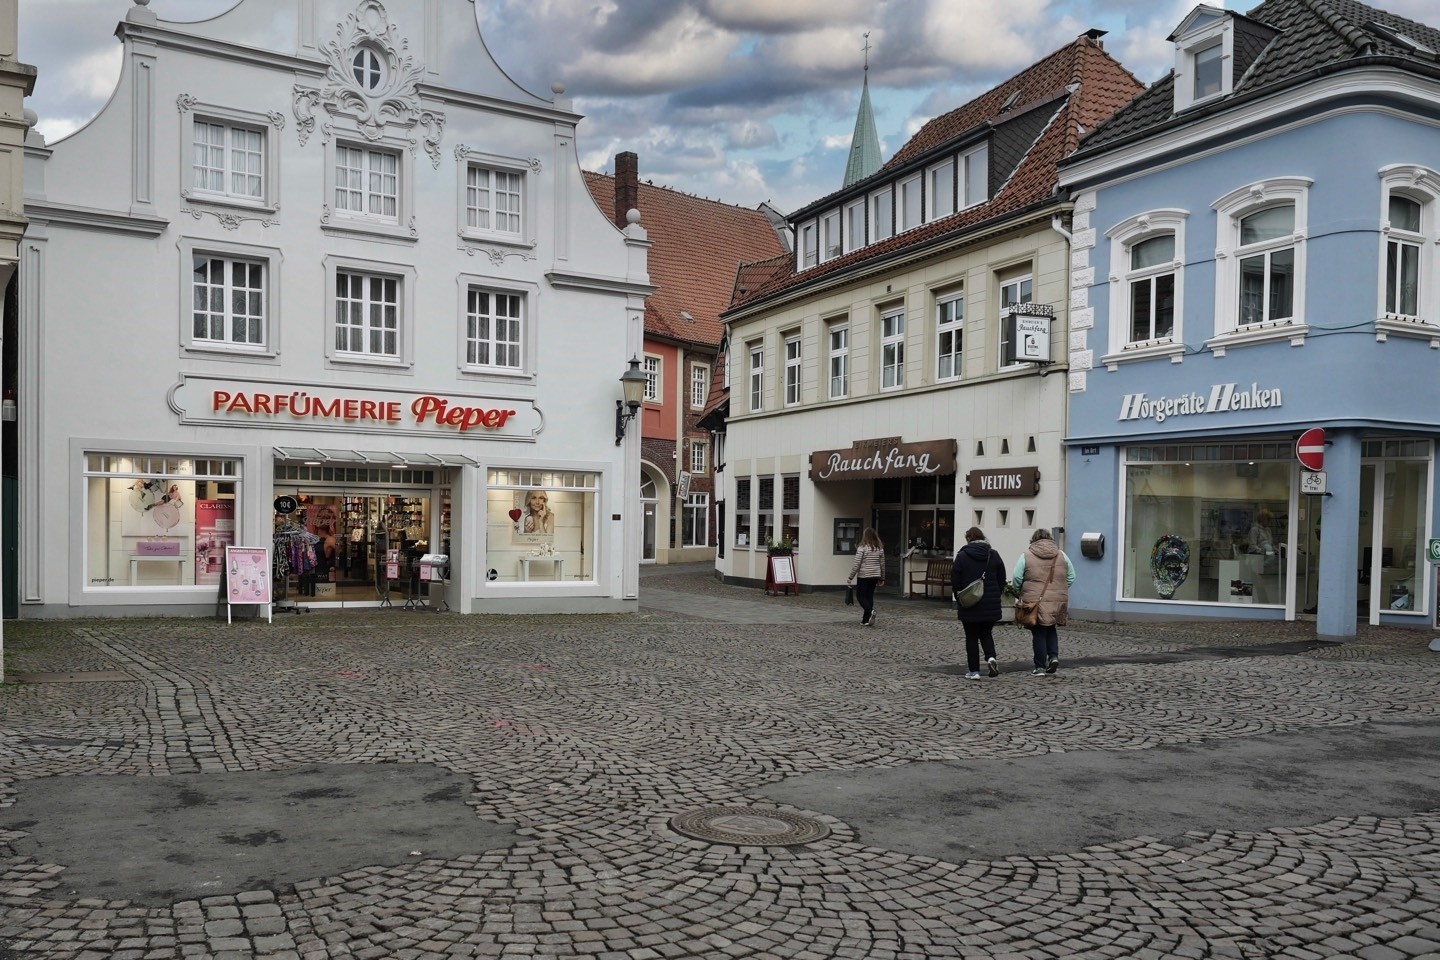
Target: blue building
x=1257, y=253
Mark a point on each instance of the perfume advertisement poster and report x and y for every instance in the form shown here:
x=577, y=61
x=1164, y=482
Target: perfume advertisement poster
x=534, y=520
x=247, y=575
x=158, y=508
x=214, y=531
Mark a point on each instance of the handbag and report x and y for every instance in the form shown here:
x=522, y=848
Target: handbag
x=971, y=594
x=1027, y=612
x=849, y=596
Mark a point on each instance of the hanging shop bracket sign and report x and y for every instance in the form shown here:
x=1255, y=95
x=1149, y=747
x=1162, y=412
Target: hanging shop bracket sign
x=318, y=406
x=872, y=459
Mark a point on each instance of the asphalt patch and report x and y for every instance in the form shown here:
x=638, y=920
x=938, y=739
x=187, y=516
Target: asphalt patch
x=1062, y=802
x=156, y=840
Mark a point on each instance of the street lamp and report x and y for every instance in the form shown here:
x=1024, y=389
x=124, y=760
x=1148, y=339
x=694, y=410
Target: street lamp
x=633, y=383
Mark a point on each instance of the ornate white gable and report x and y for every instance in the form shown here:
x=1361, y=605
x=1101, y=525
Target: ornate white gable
x=373, y=79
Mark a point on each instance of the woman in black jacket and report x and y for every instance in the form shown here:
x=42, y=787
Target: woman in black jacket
x=975, y=560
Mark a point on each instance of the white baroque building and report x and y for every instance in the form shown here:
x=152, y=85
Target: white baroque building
x=321, y=278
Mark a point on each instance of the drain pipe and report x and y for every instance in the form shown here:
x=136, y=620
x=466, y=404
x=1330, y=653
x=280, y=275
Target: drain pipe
x=1055, y=224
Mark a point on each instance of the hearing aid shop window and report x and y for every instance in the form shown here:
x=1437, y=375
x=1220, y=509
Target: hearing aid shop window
x=540, y=525
x=1207, y=523
x=156, y=521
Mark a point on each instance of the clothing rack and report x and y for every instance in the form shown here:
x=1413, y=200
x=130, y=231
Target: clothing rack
x=287, y=535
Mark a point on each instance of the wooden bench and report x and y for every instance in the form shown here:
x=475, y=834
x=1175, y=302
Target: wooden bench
x=935, y=574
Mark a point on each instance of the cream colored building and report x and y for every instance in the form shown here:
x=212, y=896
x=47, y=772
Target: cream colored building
x=893, y=372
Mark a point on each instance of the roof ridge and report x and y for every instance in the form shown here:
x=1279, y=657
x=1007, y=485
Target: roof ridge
x=675, y=190
x=1360, y=41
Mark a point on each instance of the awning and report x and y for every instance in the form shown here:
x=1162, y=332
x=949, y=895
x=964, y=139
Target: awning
x=388, y=458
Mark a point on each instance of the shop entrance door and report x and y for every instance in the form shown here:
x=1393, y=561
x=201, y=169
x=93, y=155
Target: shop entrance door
x=1307, y=550
x=890, y=525
x=336, y=544
x=649, y=504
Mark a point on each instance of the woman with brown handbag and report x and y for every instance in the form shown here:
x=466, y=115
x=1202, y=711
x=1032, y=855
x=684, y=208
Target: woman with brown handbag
x=1042, y=597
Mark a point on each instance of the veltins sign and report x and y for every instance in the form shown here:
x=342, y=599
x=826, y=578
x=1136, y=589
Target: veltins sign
x=1015, y=482
x=872, y=459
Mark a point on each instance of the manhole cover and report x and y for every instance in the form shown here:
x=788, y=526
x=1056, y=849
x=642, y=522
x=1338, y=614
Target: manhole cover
x=748, y=827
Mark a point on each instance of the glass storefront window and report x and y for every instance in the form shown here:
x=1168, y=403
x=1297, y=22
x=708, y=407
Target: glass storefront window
x=1403, y=488
x=1205, y=531
x=540, y=525
x=158, y=521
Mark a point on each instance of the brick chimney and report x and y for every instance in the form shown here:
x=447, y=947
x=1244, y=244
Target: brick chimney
x=627, y=186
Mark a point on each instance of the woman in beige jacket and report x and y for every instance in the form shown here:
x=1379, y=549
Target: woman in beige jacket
x=1038, y=575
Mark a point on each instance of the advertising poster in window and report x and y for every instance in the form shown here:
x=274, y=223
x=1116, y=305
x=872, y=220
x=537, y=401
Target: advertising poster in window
x=533, y=517
x=214, y=531
x=158, y=507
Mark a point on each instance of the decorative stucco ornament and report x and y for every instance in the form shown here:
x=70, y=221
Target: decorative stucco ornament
x=372, y=79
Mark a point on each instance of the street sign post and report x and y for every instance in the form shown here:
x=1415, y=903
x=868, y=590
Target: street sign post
x=1310, y=449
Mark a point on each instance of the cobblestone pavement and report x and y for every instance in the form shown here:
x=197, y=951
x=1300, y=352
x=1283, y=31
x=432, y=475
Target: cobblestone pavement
x=586, y=734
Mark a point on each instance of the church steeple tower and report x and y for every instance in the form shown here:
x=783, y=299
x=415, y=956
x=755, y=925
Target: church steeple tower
x=864, y=143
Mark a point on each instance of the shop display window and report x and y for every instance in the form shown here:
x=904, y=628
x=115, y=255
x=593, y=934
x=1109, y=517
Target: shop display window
x=158, y=521
x=1202, y=531
x=540, y=525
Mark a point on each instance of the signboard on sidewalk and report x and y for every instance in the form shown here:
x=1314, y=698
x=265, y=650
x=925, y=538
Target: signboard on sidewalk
x=247, y=578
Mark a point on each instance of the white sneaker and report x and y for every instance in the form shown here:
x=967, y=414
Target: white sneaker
x=994, y=667
x=972, y=676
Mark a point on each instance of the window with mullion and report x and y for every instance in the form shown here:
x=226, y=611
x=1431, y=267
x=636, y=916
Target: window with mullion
x=492, y=200
x=1402, y=258
x=792, y=371
x=695, y=531
x=757, y=377
x=699, y=386
x=367, y=314
x=229, y=301
x=1152, y=289
x=892, y=350
x=652, y=379
x=698, y=453
x=949, y=327
x=839, y=362
x=229, y=160
x=1012, y=291
x=493, y=324
x=367, y=182
x=1267, y=266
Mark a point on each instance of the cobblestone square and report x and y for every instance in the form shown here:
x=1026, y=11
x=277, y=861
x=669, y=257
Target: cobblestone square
x=585, y=735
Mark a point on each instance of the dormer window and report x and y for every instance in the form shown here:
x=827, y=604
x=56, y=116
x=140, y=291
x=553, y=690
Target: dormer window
x=1204, y=57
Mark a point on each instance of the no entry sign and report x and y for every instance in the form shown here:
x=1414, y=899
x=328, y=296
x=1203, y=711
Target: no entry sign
x=1310, y=449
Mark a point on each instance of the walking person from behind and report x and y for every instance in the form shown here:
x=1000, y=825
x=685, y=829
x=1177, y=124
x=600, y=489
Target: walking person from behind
x=1043, y=575
x=977, y=561
x=867, y=573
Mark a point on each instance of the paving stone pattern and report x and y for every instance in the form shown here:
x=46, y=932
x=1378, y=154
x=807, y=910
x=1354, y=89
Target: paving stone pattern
x=587, y=734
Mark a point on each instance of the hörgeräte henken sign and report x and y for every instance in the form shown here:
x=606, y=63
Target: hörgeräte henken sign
x=1222, y=398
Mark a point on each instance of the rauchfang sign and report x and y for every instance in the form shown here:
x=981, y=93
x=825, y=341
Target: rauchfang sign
x=888, y=457
x=242, y=403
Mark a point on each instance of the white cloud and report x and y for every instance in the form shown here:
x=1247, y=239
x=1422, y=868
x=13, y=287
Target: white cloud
x=766, y=15
x=686, y=50
x=837, y=141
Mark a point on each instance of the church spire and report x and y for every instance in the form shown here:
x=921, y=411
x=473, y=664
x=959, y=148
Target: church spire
x=864, y=143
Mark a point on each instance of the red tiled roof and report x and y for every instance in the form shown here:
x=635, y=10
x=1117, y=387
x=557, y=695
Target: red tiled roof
x=696, y=247
x=1083, y=85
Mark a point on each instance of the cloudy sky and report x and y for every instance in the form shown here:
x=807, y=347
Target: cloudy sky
x=744, y=101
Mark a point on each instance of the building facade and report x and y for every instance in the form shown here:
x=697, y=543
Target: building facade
x=892, y=371
x=1256, y=255
x=338, y=289
x=695, y=247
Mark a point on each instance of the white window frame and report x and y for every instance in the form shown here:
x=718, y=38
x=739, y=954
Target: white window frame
x=794, y=357
x=492, y=164
x=854, y=225
x=807, y=250
x=269, y=199
x=697, y=508
x=699, y=385
x=400, y=227
x=830, y=243
x=1123, y=236
x=1010, y=278
x=882, y=214
x=1230, y=210
x=653, y=366
x=1422, y=185
x=699, y=458
x=974, y=170
x=1219, y=29
x=756, y=379
x=940, y=180
x=529, y=296
x=405, y=301
x=838, y=367
x=892, y=349
x=270, y=257
x=950, y=321
x=911, y=186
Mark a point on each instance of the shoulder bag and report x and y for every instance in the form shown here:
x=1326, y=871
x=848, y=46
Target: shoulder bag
x=1027, y=612
x=971, y=594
